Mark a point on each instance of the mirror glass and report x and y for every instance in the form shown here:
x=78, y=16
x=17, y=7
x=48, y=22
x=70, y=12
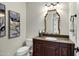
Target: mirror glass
x=52, y=22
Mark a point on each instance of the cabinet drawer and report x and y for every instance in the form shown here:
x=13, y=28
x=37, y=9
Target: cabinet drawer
x=39, y=41
x=50, y=43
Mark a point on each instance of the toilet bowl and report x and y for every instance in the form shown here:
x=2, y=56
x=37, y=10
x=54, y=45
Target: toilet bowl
x=25, y=50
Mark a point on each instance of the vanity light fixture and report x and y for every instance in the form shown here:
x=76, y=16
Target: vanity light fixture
x=50, y=6
x=54, y=4
x=2, y=14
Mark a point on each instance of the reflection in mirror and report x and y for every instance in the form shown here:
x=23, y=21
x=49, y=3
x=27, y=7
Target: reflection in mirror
x=52, y=22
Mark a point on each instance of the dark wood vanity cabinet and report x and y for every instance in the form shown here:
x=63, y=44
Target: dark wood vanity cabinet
x=50, y=48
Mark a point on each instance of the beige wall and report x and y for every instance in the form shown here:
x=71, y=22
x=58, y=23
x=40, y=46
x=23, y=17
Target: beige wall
x=9, y=46
x=72, y=11
x=77, y=22
x=64, y=18
x=35, y=18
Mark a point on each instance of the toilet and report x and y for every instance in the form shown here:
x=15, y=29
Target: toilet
x=25, y=50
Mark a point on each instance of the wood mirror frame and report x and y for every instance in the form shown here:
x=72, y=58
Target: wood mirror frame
x=58, y=21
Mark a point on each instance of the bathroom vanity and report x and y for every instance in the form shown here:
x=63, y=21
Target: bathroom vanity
x=53, y=46
x=53, y=40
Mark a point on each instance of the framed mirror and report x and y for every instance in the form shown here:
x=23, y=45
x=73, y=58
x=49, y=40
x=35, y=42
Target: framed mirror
x=52, y=22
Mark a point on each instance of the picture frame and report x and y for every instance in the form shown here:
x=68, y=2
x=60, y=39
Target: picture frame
x=14, y=24
x=2, y=20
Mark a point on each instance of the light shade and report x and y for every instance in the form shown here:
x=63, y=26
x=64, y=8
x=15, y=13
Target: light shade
x=2, y=14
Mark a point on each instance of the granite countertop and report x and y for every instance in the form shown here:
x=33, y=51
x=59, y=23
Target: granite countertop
x=58, y=39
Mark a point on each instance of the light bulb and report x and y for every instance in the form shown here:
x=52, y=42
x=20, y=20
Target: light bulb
x=1, y=15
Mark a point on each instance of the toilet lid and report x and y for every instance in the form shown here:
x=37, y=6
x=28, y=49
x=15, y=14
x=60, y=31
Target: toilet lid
x=23, y=49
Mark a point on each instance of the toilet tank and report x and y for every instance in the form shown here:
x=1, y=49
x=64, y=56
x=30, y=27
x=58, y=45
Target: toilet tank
x=29, y=42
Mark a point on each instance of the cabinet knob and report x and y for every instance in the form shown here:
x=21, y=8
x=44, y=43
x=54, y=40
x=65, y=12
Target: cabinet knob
x=37, y=47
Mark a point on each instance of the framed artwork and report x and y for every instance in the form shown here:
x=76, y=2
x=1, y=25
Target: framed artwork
x=2, y=20
x=14, y=24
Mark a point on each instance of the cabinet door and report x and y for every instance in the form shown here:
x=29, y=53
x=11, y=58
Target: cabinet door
x=49, y=51
x=65, y=49
x=38, y=50
x=57, y=51
x=52, y=49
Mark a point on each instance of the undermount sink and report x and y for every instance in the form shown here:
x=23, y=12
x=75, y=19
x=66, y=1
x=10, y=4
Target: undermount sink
x=51, y=38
